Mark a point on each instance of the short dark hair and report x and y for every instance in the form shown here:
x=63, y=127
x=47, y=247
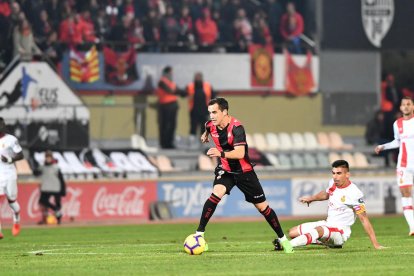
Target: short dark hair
x=407, y=98
x=340, y=164
x=167, y=70
x=221, y=102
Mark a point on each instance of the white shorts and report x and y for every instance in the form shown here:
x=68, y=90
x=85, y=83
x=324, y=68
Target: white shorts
x=405, y=177
x=337, y=235
x=8, y=187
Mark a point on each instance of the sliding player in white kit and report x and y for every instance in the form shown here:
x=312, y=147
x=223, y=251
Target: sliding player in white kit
x=404, y=140
x=345, y=203
x=10, y=152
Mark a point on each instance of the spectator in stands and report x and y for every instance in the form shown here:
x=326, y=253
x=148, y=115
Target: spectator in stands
x=196, y=9
x=5, y=12
x=43, y=28
x=53, y=9
x=170, y=28
x=53, y=185
x=186, y=26
x=167, y=93
x=225, y=35
x=51, y=48
x=261, y=31
x=136, y=33
x=274, y=14
x=291, y=27
x=206, y=29
x=390, y=104
x=23, y=41
x=119, y=33
x=69, y=32
x=87, y=27
x=199, y=94
x=102, y=25
x=243, y=29
x=152, y=32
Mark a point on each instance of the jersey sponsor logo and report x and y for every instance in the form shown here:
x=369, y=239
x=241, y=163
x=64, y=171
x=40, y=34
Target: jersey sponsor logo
x=215, y=135
x=377, y=18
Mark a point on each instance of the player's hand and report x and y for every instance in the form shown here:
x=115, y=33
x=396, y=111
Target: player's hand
x=378, y=149
x=305, y=199
x=213, y=152
x=204, y=137
x=6, y=159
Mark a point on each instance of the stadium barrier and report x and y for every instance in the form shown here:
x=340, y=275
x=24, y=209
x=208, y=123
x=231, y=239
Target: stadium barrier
x=131, y=200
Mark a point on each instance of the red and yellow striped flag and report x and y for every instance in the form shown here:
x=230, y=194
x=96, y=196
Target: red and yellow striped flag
x=84, y=67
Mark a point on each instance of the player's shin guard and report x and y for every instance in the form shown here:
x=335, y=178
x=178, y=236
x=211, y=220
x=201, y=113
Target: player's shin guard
x=305, y=239
x=273, y=221
x=407, y=204
x=14, y=205
x=208, y=211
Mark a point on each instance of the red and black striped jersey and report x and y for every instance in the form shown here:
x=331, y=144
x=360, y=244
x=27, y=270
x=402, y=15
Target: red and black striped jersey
x=225, y=140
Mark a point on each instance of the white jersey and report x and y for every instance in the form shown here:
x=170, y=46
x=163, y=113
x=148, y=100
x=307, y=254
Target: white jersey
x=9, y=147
x=344, y=204
x=404, y=139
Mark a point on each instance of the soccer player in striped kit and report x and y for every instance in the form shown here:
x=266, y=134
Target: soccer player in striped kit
x=404, y=140
x=234, y=168
x=345, y=204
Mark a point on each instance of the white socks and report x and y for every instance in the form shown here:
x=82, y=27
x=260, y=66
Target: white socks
x=407, y=204
x=305, y=239
x=16, y=211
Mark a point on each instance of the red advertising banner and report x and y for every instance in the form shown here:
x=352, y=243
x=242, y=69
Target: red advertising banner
x=89, y=201
x=261, y=65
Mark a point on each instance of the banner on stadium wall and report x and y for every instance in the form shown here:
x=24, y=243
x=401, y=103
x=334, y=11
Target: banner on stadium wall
x=90, y=201
x=226, y=72
x=299, y=79
x=32, y=91
x=381, y=195
x=261, y=66
x=187, y=199
x=84, y=67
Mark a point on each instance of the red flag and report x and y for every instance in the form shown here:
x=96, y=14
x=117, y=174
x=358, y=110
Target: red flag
x=120, y=67
x=261, y=65
x=299, y=80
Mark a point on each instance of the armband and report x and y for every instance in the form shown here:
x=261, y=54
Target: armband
x=222, y=155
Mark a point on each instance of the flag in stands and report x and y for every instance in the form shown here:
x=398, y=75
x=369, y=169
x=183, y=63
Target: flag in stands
x=299, y=80
x=261, y=65
x=84, y=67
x=120, y=67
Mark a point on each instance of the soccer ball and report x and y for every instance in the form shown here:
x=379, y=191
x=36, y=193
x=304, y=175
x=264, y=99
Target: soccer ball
x=51, y=220
x=194, y=244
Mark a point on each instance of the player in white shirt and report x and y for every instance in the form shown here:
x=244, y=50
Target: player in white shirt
x=345, y=204
x=404, y=140
x=10, y=152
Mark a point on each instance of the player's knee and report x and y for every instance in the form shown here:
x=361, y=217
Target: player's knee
x=219, y=190
x=293, y=232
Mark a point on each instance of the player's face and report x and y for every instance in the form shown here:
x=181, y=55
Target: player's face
x=407, y=107
x=340, y=176
x=216, y=115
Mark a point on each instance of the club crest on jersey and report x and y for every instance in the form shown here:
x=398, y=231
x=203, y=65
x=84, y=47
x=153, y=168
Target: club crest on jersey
x=377, y=17
x=361, y=200
x=343, y=199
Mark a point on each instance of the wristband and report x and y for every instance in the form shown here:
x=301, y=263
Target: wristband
x=9, y=159
x=222, y=155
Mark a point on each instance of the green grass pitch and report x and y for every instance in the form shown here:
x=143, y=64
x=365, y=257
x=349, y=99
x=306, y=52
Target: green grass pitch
x=235, y=248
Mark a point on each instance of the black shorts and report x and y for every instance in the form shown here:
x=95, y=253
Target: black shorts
x=247, y=182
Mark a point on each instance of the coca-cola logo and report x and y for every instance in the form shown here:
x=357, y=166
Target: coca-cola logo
x=129, y=202
x=70, y=207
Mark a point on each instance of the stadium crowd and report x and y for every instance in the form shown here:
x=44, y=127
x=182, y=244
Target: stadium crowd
x=153, y=25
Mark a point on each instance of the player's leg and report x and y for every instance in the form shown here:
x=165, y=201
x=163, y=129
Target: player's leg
x=43, y=202
x=253, y=192
x=405, y=181
x=11, y=193
x=58, y=207
x=223, y=183
x=1, y=202
x=308, y=237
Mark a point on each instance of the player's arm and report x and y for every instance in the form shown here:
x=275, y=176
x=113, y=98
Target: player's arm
x=204, y=136
x=391, y=145
x=18, y=153
x=362, y=215
x=322, y=195
x=239, y=145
